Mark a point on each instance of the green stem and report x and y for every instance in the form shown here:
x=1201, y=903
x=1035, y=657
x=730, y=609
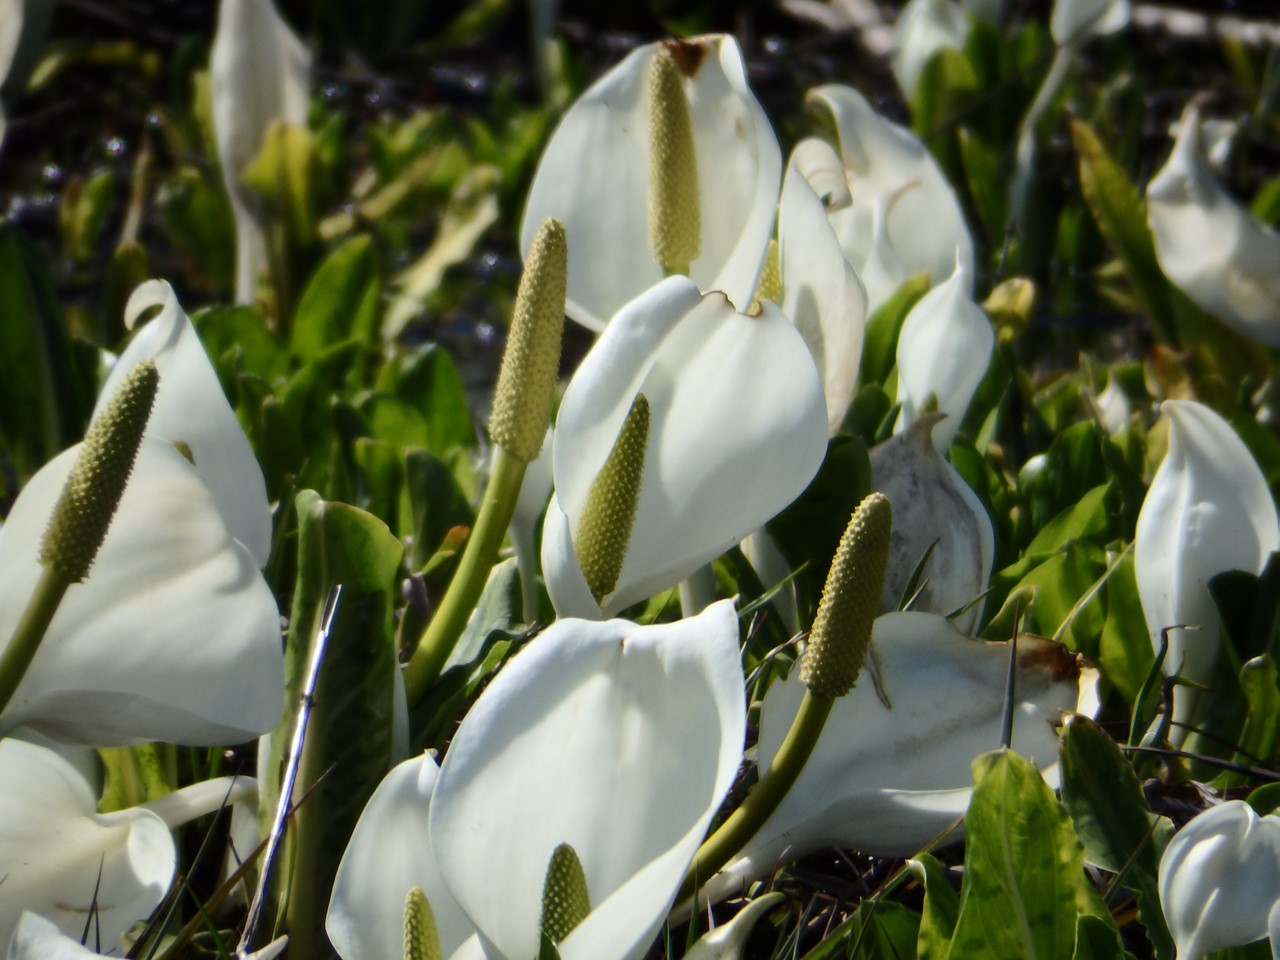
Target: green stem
x=481, y=553
x=31, y=630
x=764, y=798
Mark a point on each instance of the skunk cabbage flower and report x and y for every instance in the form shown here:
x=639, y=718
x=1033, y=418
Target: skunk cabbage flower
x=1208, y=511
x=886, y=163
x=943, y=350
x=174, y=636
x=63, y=860
x=1220, y=881
x=1074, y=21
x=924, y=27
x=934, y=511
x=191, y=408
x=887, y=776
x=1209, y=246
x=594, y=176
x=821, y=293
x=737, y=429
x=618, y=740
x=35, y=938
x=258, y=76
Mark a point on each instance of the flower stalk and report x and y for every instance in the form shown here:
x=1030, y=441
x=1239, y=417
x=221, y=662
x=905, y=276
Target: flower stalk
x=521, y=412
x=838, y=645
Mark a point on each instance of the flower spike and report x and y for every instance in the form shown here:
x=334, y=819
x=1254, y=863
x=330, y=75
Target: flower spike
x=92, y=493
x=605, y=529
x=565, y=899
x=526, y=383
x=675, y=220
x=421, y=939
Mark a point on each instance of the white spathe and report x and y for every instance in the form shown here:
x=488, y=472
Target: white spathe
x=173, y=636
x=63, y=860
x=594, y=177
x=258, y=72
x=821, y=292
x=888, y=779
x=620, y=740
x=885, y=164
x=924, y=28
x=1219, y=881
x=1208, y=510
x=944, y=348
x=190, y=407
x=1211, y=247
x=1072, y=22
x=738, y=428
x=37, y=939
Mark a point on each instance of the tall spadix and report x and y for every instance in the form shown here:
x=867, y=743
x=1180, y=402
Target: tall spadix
x=522, y=403
x=675, y=219
x=837, y=648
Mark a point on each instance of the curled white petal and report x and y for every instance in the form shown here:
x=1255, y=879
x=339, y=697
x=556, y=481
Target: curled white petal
x=1208, y=511
x=1219, y=880
x=925, y=27
x=1210, y=246
x=943, y=350
x=190, y=407
x=617, y=739
x=58, y=856
x=887, y=780
x=174, y=635
x=924, y=225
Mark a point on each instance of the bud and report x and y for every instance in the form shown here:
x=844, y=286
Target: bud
x=604, y=531
x=421, y=939
x=842, y=629
x=675, y=222
x=526, y=383
x=97, y=481
x=565, y=901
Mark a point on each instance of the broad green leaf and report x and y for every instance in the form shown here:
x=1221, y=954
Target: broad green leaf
x=349, y=746
x=1121, y=216
x=880, y=345
x=431, y=504
x=240, y=345
x=196, y=216
x=283, y=172
x=428, y=381
x=1096, y=939
x=941, y=908
x=1113, y=821
x=1024, y=885
x=1124, y=650
x=84, y=208
x=340, y=302
x=1087, y=519
x=396, y=422
x=988, y=188
x=1261, y=685
x=46, y=391
x=883, y=930
x=381, y=475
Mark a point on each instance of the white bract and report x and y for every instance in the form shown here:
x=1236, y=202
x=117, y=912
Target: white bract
x=738, y=428
x=821, y=293
x=1210, y=246
x=1074, y=21
x=258, y=76
x=944, y=348
x=887, y=779
x=934, y=512
x=59, y=857
x=1208, y=511
x=594, y=177
x=173, y=636
x=617, y=739
x=923, y=29
x=191, y=408
x=1220, y=881
x=887, y=166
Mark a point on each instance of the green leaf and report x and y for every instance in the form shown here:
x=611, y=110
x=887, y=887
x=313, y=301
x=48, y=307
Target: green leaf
x=84, y=208
x=1096, y=939
x=1112, y=819
x=428, y=381
x=46, y=391
x=941, y=908
x=1124, y=650
x=341, y=300
x=1261, y=685
x=432, y=503
x=1087, y=519
x=348, y=746
x=880, y=345
x=1121, y=216
x=283, y=172
x=1024, y=885
x=883, y=930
